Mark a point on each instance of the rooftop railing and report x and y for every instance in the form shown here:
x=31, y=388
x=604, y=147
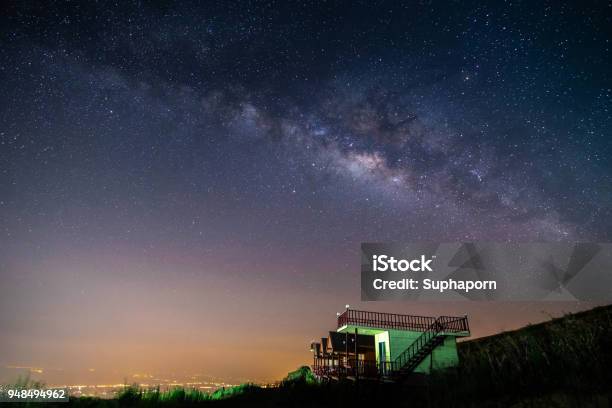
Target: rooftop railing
x=382, y=320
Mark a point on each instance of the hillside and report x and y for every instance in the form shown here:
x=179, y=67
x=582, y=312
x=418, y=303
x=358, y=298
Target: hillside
x=570, y=355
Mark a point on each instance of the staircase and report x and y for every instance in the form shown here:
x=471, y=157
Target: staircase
x=420, y=348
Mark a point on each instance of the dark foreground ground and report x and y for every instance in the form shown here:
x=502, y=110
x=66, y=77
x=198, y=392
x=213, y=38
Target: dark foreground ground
x=565, y=362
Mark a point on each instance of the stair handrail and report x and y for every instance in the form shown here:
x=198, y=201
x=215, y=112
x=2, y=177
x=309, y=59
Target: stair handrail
x=432, y=331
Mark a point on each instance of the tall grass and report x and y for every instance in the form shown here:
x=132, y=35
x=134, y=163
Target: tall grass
x=134, y=394
x=571, y=355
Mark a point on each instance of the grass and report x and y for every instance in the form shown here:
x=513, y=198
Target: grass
x=571, y=355
x=134, y=394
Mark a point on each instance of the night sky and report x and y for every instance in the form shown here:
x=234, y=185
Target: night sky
x=184, y=188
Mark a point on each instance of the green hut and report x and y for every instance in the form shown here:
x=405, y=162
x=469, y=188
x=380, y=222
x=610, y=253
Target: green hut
x=388, y=345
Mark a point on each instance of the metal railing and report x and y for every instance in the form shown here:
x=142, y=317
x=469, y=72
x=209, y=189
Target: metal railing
x=402, y=322
x=408, y=358
x=453, y=324
x=338, y=367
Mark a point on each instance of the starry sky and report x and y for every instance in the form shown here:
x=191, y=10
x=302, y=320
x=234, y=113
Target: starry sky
x=184, y=187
